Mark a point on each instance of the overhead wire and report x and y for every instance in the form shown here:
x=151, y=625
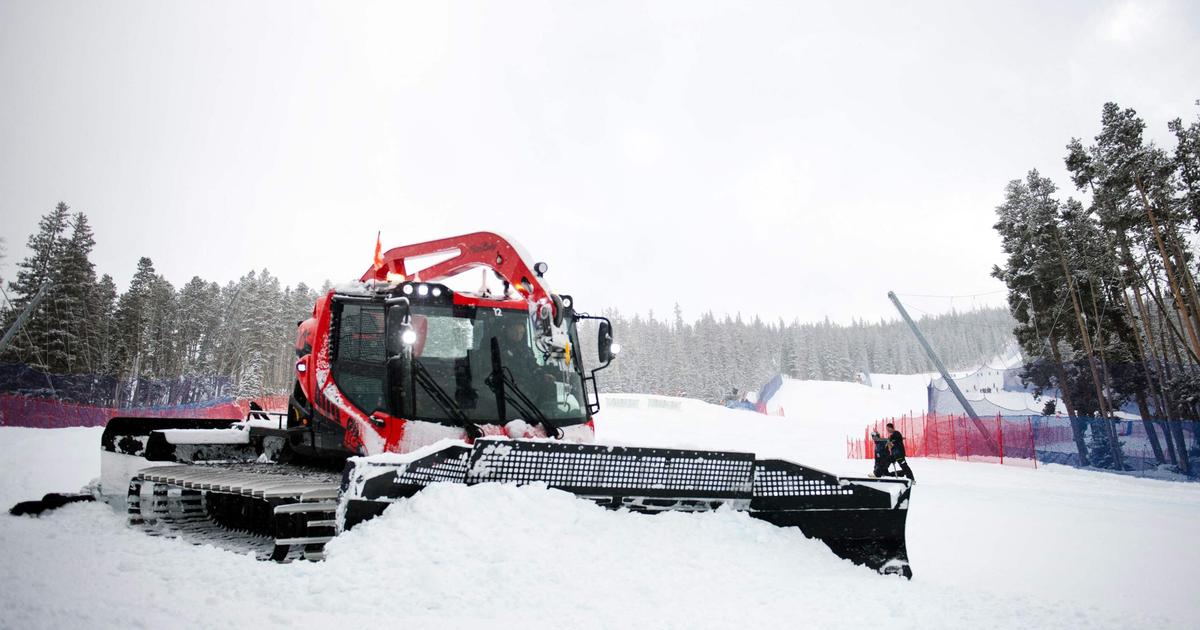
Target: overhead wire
x=965, y=295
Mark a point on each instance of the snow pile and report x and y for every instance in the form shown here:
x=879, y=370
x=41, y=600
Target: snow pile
x=36, y=461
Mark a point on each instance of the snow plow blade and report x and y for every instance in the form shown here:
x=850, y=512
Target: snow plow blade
x=861, y=520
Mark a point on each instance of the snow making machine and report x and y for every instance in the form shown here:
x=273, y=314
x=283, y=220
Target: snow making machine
x=402, y=382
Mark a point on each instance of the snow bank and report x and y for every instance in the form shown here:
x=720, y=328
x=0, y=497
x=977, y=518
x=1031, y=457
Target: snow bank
x=36, y=461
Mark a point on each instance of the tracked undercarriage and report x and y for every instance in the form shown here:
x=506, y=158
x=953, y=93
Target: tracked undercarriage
x=278, y=512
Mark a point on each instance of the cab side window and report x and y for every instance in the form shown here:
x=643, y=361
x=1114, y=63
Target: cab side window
x=360, y=361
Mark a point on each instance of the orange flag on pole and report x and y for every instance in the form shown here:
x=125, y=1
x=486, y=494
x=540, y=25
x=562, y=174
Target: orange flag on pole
x=378, y=251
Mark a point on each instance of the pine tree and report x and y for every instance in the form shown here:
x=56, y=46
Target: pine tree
x=1037, y=290
x=1187, y=161
x=40, y=343
x=104, y=309
x=73, y=302
x=787, y=359
x=133, y=321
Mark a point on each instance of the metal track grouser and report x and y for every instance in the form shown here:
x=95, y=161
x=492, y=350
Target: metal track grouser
x=402, y=382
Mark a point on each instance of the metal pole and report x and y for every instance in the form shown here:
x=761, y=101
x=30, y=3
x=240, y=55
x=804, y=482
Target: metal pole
x=24, y=316
x=962, y=400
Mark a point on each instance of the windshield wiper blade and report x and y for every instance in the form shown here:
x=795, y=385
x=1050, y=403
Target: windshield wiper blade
x=507, y=390
x=443, y=400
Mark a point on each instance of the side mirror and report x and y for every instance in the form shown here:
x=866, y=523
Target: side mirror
x=604, y=343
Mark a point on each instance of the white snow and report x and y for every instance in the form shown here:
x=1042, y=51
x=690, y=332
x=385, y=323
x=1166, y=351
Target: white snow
x=236, y=435
x=991, y=546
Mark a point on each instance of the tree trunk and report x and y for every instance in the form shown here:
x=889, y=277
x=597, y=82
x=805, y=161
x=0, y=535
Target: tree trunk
x=1154, y=375
x=1150, y=359
x=1144, y=409
x=1166, y=428
x=1064, y=389
x=1166, y=320
x=1087, y=346
x=1185, y=466
x=1189, y=284
x=1180, y=305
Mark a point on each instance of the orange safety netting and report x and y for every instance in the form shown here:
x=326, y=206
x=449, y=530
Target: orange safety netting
x=994, y=440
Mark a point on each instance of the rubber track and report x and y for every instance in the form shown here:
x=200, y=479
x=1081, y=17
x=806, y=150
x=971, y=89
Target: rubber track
x=275, y=511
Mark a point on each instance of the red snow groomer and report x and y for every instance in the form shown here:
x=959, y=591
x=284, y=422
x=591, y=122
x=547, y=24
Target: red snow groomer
x=402, y=382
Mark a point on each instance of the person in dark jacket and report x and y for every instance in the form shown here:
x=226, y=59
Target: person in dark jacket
x=895, y=447
x=536, y=381
x=257, y=412
x=881, y=455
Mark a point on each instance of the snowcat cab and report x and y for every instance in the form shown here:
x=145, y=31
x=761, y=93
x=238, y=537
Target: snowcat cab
x=401, y=366
x=395, y=363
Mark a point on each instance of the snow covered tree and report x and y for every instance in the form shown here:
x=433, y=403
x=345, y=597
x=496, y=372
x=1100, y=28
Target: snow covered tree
x=73, y=302
x=1037, y=289
x=1187, y=161
x=40, y=343
x=103, y=305
x=145, y=321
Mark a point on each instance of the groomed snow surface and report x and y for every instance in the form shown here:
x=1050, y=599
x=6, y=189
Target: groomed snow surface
x=991, y=546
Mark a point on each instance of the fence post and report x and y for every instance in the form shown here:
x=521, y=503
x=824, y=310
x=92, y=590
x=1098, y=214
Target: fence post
x=937, y=437
x=1032, y=443
x=953, y=444
x=1000, y=436
x=924, y=434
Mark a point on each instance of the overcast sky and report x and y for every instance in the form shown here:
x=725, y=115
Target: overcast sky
x=787, y=159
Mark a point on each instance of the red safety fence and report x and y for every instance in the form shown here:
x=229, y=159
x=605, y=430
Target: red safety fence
x=47, y=413
x=993, y=440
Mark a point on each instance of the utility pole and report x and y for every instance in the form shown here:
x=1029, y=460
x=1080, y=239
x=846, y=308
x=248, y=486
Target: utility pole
x=24, y=316
x=962, y=400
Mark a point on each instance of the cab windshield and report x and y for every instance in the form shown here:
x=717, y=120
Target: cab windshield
x=467, y=364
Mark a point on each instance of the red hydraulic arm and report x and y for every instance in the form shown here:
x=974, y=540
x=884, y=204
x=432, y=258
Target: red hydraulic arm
x=478, y=249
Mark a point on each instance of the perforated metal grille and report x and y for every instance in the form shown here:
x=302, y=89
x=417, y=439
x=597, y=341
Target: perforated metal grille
x=782, y=483
x=615, y=470
x=446, y=466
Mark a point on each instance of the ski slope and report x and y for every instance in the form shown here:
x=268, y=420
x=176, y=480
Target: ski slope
x=991, y=546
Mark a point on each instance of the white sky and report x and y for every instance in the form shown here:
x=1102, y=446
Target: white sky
x=770, y=158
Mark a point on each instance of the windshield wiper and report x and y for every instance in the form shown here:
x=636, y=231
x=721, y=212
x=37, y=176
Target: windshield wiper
x=505, y=386
x=439, y=396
